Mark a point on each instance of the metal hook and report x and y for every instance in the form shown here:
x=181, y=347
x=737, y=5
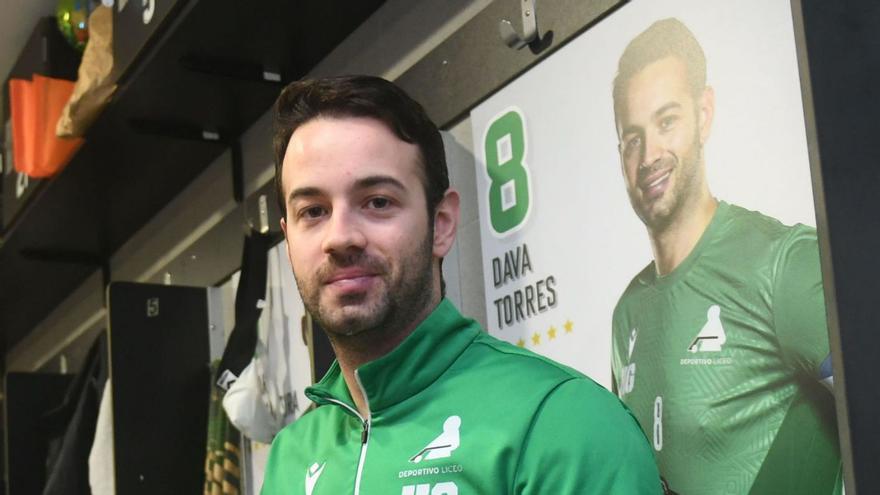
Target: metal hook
x=264, y=214
x=530, y=27
x=262, y=224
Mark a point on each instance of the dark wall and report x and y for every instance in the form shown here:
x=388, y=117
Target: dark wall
x=843, y=49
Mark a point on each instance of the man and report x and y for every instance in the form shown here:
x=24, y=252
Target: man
x=420, y=400
x=720, y=344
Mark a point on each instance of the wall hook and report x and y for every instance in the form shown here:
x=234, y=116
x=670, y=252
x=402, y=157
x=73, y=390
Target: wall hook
x=530, y=27
x=263, y=207
x=262, y=224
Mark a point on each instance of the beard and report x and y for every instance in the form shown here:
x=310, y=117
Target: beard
x=401, y=296
x=660, y=213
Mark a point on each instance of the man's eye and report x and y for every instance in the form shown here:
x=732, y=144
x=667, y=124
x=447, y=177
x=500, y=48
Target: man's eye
x=379, y=203
x=632, y=145
x=667, y=123
x=312, y=212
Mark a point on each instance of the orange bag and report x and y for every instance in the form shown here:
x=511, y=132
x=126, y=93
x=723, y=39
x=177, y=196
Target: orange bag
x=35, y=107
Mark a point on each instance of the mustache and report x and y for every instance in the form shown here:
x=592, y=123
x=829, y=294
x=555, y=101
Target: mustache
x=359, y=260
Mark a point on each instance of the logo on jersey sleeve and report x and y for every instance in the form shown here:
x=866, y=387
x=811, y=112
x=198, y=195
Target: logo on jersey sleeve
x=312, y=474
x=632, y=342
x=627, y=379
x=711, y=337
x=442, y=446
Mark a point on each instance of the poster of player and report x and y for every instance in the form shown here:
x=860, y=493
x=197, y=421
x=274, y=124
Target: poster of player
x=647, y=218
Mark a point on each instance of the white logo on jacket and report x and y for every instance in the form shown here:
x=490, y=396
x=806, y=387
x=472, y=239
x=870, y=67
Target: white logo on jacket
x=442, y=446
x=627, y=379
x=312, y=475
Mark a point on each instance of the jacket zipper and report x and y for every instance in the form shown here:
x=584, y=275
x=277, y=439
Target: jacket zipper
x=365, y=434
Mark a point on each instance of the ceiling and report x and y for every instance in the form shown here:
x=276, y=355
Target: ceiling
x=17, y=20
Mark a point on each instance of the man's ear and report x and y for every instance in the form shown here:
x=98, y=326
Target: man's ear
x=446, y=222
x=706, y=113
x=286, y=241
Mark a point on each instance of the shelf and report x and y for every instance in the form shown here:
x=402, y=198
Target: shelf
x=203, y=74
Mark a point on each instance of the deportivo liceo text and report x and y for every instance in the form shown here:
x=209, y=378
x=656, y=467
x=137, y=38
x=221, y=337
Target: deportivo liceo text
x=420, y=400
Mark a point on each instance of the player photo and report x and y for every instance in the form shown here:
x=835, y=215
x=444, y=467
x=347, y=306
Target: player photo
x=720, y=344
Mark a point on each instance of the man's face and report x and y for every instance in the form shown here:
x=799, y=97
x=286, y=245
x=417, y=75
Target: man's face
x=661, y=131
x=357, y=225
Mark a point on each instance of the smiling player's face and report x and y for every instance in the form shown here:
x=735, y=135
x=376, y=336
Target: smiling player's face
x=661, y=131
x=357, y=224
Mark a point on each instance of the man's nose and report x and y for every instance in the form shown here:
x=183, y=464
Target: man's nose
x=653, y=148
x=344, y=232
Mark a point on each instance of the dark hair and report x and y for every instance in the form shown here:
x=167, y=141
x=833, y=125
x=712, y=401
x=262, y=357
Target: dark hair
x=665, y=38
x=361, y=96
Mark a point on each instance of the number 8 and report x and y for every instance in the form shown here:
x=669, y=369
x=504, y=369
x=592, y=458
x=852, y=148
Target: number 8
x=509, y=188
x=658, y=423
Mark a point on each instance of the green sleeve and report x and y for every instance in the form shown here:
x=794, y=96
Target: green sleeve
x=278, y=476
x=583, y=440
x=799, y=304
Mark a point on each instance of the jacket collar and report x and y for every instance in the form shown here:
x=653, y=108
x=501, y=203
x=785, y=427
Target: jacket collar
x=410, y=368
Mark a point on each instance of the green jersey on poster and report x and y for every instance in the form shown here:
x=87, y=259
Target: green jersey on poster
x=721, y=361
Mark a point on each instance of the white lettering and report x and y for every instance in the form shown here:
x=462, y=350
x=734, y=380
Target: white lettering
x=627, y=380
x=705, y=361
x=450, y=468
x=454, y=468
x=408, y=473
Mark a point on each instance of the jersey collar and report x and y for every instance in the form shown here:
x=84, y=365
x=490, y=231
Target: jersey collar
x=411, y=367
x=716, y=224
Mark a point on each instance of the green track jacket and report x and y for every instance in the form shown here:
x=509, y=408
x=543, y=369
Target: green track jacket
x=456, y=411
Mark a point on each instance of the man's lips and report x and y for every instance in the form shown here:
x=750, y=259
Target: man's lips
x=654, y=185
x=348, y=281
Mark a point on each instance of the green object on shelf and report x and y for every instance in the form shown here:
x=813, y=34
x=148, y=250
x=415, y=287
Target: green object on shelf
x=73, y=21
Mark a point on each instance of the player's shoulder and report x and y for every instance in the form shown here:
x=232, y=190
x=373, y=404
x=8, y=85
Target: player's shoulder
x=751, y=223
x=752, y=235
x=306, y=428
x=295, y=445
x=523, y=367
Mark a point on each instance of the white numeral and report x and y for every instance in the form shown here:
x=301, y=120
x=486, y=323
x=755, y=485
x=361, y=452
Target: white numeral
x=445, y=488
x=153, y=307
x=658, y=423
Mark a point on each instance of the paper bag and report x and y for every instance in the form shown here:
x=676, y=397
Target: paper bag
x=93, y=86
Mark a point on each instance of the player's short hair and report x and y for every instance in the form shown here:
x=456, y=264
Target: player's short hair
x=665, y=38
x=361, y=96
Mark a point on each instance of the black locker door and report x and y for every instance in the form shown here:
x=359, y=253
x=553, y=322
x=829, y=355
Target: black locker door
x=28, y=397
x=159, y=362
